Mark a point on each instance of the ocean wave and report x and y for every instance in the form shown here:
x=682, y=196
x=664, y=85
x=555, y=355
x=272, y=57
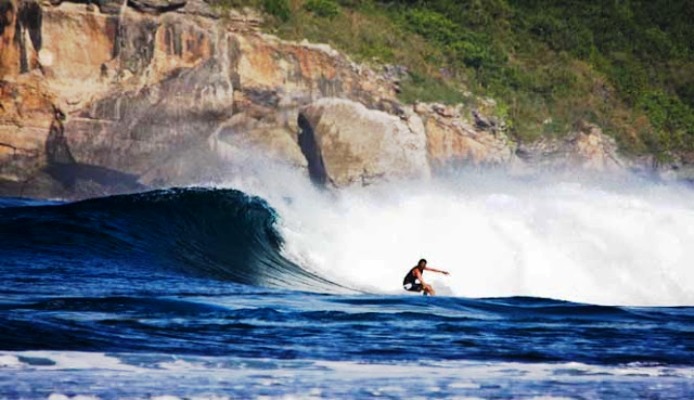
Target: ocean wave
x=219, y=233
x=354, y=327
x=615, y=243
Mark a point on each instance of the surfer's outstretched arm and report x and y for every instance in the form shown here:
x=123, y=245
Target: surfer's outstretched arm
x=436, y=270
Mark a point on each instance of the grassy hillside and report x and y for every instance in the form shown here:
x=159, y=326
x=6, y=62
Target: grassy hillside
x=625, y=65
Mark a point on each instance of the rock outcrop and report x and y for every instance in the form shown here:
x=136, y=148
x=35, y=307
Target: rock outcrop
x=346, y=143
x=587, y=149
x=115, y=96
x=453, y=141
x=155, y=91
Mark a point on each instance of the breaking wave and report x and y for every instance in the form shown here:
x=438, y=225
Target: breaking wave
x=612, y=243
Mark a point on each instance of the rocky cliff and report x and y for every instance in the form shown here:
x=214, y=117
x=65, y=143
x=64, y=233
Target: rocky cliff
x=115, y=96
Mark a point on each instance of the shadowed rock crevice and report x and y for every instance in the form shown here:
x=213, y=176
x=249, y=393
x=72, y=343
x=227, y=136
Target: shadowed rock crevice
x=172, y=37
x=156, y=6
x=57, y=149
x=29, y=18
x=234, y=55
x=311, y=150
x=110, y=7
x=7, y=11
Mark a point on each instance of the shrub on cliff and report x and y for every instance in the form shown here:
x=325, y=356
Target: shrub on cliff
x=278, y=8
x=323, y=8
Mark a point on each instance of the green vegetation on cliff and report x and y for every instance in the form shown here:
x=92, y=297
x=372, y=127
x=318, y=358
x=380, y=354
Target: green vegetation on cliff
x=625, y=65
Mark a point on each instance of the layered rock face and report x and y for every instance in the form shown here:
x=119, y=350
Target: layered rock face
x=117, y=96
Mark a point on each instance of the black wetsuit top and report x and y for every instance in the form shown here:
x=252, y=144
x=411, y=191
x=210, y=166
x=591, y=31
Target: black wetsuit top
x=411, y=278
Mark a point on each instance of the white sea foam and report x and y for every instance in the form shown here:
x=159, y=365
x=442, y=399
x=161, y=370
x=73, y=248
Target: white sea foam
x=58, y=360
x=60, y=396
x=620, y=243
x=101, y=364
x=221, y=378
x=178, y=365
x=9, y=361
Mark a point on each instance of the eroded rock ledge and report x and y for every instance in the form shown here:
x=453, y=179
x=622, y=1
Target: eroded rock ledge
x=110, y=96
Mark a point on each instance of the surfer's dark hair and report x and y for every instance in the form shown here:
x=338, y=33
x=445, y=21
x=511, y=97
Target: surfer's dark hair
x=423, y=260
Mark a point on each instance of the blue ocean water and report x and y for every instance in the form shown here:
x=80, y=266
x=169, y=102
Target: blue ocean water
x=186, y=293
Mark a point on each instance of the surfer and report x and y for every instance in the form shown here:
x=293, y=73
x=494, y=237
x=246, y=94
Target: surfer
x=414, y=282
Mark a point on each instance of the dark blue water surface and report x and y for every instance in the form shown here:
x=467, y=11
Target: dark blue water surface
x=185, y=293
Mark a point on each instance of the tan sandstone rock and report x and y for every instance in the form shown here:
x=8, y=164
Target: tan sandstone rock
x=453, y=141
x=346, y=143
x=245, y=139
